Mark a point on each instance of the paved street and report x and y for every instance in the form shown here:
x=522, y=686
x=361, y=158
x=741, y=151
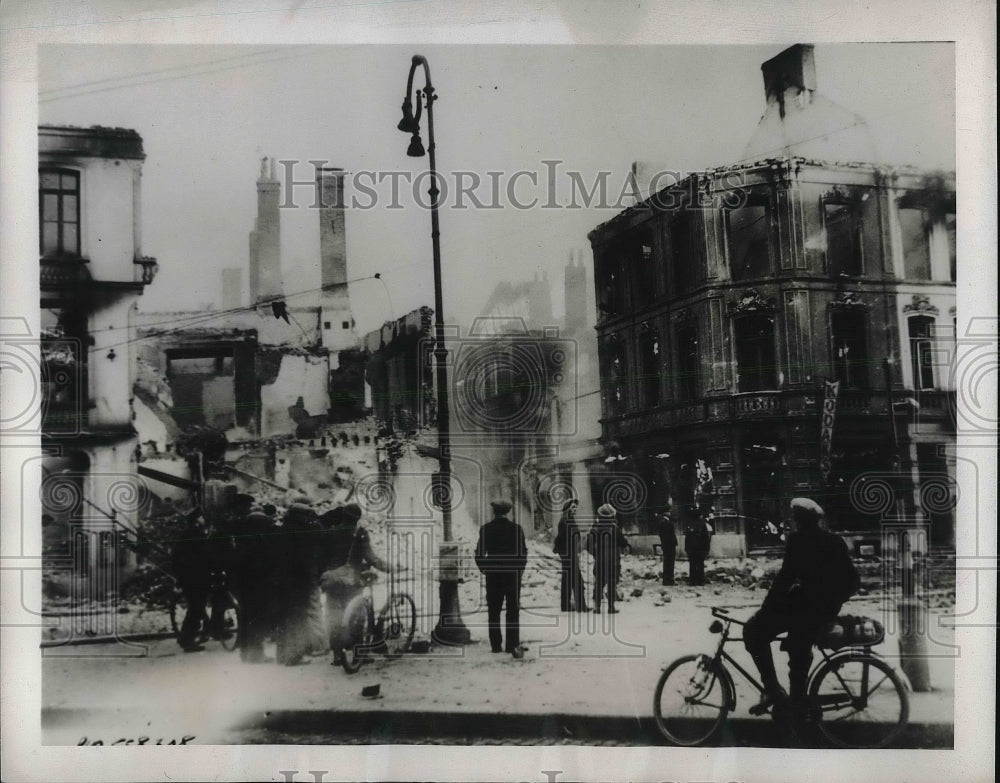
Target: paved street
x=589, y=683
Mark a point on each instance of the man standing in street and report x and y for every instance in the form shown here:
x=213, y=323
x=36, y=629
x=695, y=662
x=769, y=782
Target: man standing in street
x=502, y=554
x=253, y=563
x=668, y=545
x=605, y=541
x=697, y=542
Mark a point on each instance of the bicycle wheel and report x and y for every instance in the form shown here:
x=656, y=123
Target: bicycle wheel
x=229, y=638
x=693, y=697
x=858, y=701
x=361, y=632
x=176, y=611
x=397, y=623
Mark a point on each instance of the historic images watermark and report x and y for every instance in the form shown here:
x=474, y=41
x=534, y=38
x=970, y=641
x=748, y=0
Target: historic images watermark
x=550, y=186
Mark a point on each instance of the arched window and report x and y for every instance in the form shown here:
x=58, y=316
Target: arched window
x=59, y=213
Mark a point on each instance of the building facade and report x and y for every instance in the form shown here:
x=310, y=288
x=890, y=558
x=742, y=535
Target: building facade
x=92, y=273
x=728, y=300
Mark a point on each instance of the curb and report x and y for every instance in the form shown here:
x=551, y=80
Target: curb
x=403, y=727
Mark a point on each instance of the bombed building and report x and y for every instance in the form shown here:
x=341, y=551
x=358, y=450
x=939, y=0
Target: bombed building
x=737, y=304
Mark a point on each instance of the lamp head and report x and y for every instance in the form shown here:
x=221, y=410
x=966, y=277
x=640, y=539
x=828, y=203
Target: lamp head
x=416, y=148
x=409, y=123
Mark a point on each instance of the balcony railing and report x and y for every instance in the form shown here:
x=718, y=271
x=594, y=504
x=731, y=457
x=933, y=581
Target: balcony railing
x=934, y=405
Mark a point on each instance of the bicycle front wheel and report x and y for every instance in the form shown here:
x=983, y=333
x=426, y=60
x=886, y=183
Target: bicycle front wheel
x=859, y=702
x=693, y=697
x=397, y=624
x=229, y=636
x=360, y=632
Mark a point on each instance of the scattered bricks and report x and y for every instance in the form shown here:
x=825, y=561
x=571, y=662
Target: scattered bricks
x=757, y=573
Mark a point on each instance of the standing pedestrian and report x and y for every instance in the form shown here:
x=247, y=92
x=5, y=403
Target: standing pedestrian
x=605, y=541
x=502, y=554
x=296, y=584
x=252, y=575
x=191, y=561
x=567, y=546
x=668, y=545
x=697, y=541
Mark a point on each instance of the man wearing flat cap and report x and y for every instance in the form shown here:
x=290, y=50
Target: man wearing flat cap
x=816, y=578
x=605, y=541
x=502, y=554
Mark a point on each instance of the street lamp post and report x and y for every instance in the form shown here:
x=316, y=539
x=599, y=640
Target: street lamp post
x=450, y=629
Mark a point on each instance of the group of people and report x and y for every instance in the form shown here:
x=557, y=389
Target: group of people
x=281, y=566
x=697, y=543
x=277, y=568
x=605, y=541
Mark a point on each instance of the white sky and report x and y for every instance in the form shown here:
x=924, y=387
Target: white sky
x=207, y=114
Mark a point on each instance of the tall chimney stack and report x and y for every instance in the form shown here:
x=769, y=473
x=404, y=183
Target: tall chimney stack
x=265, y=239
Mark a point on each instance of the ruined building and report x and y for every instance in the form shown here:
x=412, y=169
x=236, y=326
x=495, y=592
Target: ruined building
x=727, y=301
x=92, y=273
x=270, y=368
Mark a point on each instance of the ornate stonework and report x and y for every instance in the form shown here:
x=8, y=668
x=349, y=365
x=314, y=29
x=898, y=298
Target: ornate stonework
x=847, y=299
x=920, y=304
x=750, y=302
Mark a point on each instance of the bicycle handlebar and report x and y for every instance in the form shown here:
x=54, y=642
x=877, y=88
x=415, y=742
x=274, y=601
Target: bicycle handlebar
x=723, y=614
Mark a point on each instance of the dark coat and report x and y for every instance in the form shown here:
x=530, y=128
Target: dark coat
x=665, y=529
x=817, y=574
x=605, y=541
x=502, y=547
x=697, y=538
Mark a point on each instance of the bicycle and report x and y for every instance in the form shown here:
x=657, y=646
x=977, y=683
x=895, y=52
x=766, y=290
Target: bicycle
x=848, y=691
x=389, y=634
x=221, y=603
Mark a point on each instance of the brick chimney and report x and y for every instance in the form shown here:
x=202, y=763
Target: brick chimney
x=792, y=74
x=798, y=121
x=265, y=239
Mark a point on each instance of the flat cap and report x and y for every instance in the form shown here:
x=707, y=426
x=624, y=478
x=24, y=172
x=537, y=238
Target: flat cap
x=807, y=506
x=607, y=511
x=500, y=506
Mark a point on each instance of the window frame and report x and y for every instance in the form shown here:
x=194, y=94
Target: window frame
x=683, y=283
x=688, y=365
x=60, y=193
x=927, y=228
x=740, y=338
x=856, y=231
x=865, y=363
x=916, y=365
x=758, y=199
x=651, y=366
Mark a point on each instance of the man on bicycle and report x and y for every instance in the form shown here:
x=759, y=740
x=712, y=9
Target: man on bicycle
x=816, y=578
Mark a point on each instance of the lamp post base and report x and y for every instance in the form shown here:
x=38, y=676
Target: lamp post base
x=450, y=628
